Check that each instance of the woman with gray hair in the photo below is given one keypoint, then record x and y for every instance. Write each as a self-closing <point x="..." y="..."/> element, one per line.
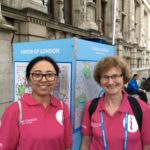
<point x="113" y="124"/>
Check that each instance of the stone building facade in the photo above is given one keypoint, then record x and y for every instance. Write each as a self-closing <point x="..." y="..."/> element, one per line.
<point x="125" y="21"/>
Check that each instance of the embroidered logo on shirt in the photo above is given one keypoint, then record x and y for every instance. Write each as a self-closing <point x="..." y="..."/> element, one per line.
<point x="59" y="116"/>
<point x="1" y="145"/>
<point x="95" y="124"/>
<point x="132" y="123"/>
<point x="28" y="121"/>
<point x="84" y="126"/>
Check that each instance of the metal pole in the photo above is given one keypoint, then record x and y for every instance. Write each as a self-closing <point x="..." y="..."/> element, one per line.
<point x="114" y="23"/>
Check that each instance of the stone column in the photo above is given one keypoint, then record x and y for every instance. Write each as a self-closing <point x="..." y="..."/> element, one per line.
<point x="98" y="15"/>
<point x="134" y="57"/>
<point x="60" y="12"/>
<point x="142" y="33"/>
<point x="148" y="38"/>
<point x="144" y="58"/>
<point x="81" y="13"/>
<point x="132" y="38"/>
<point x="34" y="4"/>
<point x="91" y="23"/>
<point x="6" y="2"/>
<point x="120" y="49"/>
<point x="118" y="32"/>
<point x="76" y="15"/>
<point x="6" y="34"/>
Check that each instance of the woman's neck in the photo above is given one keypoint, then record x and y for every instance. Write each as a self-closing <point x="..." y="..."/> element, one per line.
<point x="112" y="103"/>
<point x="45" y="100"/>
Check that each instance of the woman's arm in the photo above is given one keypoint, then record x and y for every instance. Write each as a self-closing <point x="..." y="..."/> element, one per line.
<point x="9" y="129"/>
<point x="86" y="140"/>
<point x="67" y="128"/>
<point x="145" y="132"/>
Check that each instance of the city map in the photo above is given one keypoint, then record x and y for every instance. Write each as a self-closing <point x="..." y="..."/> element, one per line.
<point x="85" y="88"/>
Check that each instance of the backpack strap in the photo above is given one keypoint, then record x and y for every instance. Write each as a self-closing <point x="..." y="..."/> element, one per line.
<point x="136" y="110"/>
<point x="93" y="106"/>
<point x="133" y="103"/>
<point x="62" y="106"/>
<point x="61" y="102"/>
<point x="20" y="112"/>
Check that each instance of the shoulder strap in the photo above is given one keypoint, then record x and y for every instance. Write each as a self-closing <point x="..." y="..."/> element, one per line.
<point x="136" y="110"/>
<point x="20" y="112"/>
<point x="133" y="103"/>
<point x="61" y="102"/>
<point x="93" y="106"/>
<point x="62" y="106"/>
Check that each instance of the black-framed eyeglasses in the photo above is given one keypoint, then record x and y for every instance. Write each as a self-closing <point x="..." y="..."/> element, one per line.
<point x="38" y="76"/>
<point x="114" y="77"/>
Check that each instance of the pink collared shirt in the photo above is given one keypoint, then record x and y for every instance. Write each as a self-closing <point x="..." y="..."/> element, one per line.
<point x="114" y="127"/>
<point x="40" y="128"/>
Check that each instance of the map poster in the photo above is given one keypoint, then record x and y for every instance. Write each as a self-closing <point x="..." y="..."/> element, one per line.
<point x="20" y="80"/>
<point x="85" y="88"/>
<point x="88" y="54"/>
<point x="63" y="86"/>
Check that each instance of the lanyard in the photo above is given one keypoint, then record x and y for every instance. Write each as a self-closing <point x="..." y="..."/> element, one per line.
<point x="104" y="135"/>
<point x="126" y="131"/>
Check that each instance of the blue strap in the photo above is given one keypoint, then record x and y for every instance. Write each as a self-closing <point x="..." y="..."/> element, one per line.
<point x="104" y="135"/>
<point x="103" y="131"/>
<point x="126" y="131"/>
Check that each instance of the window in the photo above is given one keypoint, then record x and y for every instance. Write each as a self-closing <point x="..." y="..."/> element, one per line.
<point x="103" y="13"/>
<point x="50" y="5"/>
<point x="67" y="11"/>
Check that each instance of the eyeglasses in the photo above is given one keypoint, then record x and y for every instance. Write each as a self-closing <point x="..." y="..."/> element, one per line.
<point x="38" y="76"/>
<point x="113" y="77"/>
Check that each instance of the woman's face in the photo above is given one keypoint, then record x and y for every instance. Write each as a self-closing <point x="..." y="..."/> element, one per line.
<point x="112" y="81"/>
<point x="42" y="78"/>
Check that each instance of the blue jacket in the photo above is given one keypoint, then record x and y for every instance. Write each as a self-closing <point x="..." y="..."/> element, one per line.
<point x="133" y="86"/>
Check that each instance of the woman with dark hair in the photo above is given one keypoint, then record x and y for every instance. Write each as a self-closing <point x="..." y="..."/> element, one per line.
<point x="45" y="121"/>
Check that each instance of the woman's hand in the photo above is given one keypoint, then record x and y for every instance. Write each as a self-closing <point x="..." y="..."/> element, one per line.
<point x="86" y="140"/>
<point x="146" y="147"/>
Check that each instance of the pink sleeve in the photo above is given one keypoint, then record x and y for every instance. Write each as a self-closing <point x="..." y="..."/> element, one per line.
<point x="145" y="133"/>
<point x="67" y="128"/>
<point x="9" y="131"/>
<point x="86" y="123"/>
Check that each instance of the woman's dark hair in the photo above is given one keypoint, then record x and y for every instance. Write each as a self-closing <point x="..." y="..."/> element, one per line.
<point x="38" y="59"/>
<point x="135" y="75"/>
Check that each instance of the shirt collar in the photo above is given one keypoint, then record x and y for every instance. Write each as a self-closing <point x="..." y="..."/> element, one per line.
<point x="124" y="107"/>
<point x="31" y="101"/>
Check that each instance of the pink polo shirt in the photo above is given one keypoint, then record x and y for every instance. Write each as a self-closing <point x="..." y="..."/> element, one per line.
<point x="40" y="128"/>
<point x="114" y="127"/>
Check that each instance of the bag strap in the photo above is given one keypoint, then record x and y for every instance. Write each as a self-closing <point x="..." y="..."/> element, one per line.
<point x="136" y="110"/>
<point x="62" y="106"/>
<point x="61" y="102"/>
<point x="93" y="106"/>
<point x="20" y="111"/>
